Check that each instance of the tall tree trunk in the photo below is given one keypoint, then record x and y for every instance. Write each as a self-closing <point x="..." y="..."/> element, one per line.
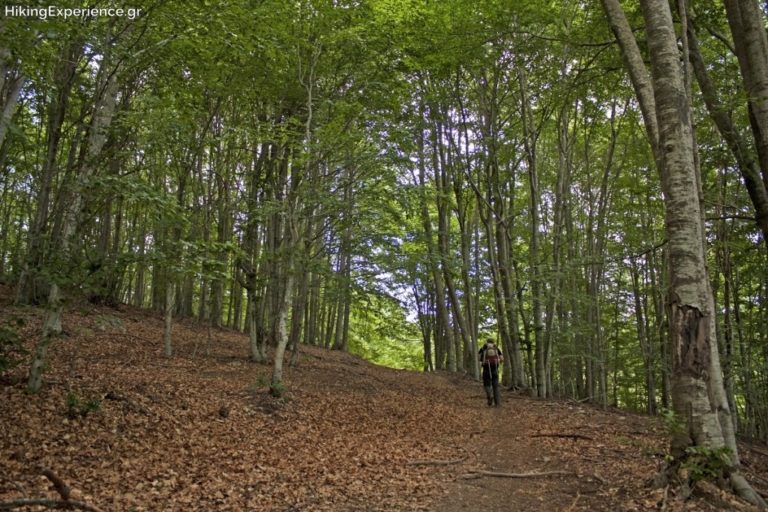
<point x="443" y="332"/>
<point x="698" y="394"/>
<point x="530" y="140"/>
<point x="444" y="252"/>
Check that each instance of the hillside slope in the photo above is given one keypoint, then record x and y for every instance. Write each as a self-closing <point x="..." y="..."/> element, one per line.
<point x="128" y="429"/>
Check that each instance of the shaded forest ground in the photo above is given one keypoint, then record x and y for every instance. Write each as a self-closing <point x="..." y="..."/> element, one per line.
<point x="129" y="430"/>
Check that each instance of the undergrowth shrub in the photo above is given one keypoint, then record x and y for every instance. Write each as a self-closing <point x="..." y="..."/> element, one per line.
<point x="77" y="406"/>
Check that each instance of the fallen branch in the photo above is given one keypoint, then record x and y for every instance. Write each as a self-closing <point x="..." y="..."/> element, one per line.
<point x="566" y="436"/>
<point x="64" y="503"/>
<point x="430" y="462"/>
<point x="60" y="504"/>
<point x="61" y="487"/>
<point x="478" y="473"/>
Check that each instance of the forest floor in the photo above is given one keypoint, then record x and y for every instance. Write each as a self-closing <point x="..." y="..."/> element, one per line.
<point x="127" y="429"/>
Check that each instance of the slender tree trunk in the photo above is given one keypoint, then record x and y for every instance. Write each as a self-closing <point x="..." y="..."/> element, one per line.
<point x="747" y="23"/>
<point x="27" y="289"/>
<point x="102" y="116"/>
<point x="51" y="329"/>
<point x="10" y="103"/>
<point x="646" y="345"/>
<point x="744" y="156"/>
<point x="168" y="318"/>
<point x="661" y="336"/>
<point x="345" y="266"/>
<point x="443" y="237"/>
<point x="282" y="333"/>
<point x="635" y="64"/>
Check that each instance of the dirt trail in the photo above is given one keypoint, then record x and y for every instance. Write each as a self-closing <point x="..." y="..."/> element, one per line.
<point x="569" y="456"/>
<point x="198" y="432"/>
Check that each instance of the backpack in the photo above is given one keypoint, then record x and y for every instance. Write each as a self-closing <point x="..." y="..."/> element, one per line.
<point x="491" y="354"/>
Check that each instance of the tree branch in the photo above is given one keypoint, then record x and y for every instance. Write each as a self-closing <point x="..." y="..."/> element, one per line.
<point x="534" y="474"/>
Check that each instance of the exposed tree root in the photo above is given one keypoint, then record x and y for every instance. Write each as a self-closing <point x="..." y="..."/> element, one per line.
<point x="744" y="490"/>
<point x="669" y="476"/>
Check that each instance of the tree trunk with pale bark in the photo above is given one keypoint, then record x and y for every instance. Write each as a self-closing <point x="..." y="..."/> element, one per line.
<point x="698" y="393"/>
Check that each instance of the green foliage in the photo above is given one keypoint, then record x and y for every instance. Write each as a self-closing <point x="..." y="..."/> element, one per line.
<point x="277" y="389"/>
<point x="699" y="462"/>
<point x="261" y="382"/>
<point x="380" y="333"/>
<point x="705" y="463"/>
<point x="674" y="425"/>
<point x="76" y="406"/>
<point x="11" y="349"/>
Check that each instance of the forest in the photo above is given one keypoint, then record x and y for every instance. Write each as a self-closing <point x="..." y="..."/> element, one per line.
<point x="584" y="182"/>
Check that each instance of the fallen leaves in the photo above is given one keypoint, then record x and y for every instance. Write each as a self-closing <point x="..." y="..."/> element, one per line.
<point x="199" y="432"/>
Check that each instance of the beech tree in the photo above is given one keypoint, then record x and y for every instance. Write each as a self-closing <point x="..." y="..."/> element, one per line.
<point x="401" y="180"/>
<point x="698" y="392"/>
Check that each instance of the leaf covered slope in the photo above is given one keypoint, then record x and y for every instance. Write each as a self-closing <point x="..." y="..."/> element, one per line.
<point x="127" y="429"/>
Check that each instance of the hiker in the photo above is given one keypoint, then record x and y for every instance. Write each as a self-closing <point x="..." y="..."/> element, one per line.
<point x="490" y="358"/>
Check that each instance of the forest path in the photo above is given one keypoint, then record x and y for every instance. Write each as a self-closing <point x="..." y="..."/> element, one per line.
<point x="564" y="457"/>
<point x="130" y="430"/>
